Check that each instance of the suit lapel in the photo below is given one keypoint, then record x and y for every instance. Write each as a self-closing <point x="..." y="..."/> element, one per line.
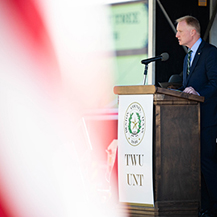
<point x="196" y="58"/>
<point x="185" y="72"/>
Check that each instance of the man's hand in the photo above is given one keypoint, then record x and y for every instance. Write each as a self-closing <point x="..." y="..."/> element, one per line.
<point x="191" y="90"/>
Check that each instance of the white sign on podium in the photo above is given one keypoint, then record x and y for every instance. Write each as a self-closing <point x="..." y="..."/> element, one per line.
<point x="135" y="135"/>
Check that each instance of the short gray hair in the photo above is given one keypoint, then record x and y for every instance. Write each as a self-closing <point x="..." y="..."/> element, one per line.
<point x="191" y="21"/>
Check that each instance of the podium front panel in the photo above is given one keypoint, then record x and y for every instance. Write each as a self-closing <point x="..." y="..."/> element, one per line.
<point x="135" y="139"/>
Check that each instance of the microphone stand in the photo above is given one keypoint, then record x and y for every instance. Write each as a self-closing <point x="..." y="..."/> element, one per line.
<point x="145" y="73"/>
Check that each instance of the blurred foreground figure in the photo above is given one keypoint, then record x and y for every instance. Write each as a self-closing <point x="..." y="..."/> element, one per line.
<point x="53" y="68"/>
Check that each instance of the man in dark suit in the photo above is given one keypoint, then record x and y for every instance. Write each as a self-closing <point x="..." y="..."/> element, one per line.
<point x="200" y="78"/>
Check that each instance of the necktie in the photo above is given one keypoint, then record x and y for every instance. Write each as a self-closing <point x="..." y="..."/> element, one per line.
<point x="189" y="61"/>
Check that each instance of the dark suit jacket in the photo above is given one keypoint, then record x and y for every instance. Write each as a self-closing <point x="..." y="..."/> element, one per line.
<point x="203" y="78"/>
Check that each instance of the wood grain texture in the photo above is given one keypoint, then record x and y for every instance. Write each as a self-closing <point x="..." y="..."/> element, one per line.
<point x="151" y="89"/>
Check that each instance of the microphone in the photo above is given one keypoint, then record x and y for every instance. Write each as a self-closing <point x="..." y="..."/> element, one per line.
<point x="162" y="57"/>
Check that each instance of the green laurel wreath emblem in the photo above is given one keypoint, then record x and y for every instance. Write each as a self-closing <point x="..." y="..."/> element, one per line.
<point x="139" y="123"/>
<point x="139" y="127"/>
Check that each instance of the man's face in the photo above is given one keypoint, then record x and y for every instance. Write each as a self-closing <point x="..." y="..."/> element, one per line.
<point x="184" y="34"/>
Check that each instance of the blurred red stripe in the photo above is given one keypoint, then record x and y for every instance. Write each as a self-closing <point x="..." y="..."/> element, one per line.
<point x="28" y="15"/>
<point x="4" y="211"/>
<point x="28" y="28"/>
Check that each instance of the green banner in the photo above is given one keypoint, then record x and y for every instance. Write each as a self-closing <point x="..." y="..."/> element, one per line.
<point x="130" y="25"/>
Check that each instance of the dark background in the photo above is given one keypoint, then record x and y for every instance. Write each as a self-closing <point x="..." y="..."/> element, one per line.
<point x="165" y="36"/>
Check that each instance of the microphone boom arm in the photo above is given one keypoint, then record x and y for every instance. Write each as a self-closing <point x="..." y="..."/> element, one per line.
<point x="147" y="61"/>
<point x="145" y="73"/>
<point x="162" y="57"/>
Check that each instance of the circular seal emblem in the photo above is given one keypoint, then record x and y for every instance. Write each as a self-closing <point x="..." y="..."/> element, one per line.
<point x="134" y="124"/>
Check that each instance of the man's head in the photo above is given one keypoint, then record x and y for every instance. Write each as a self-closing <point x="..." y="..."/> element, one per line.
<point x="188" y="30"/>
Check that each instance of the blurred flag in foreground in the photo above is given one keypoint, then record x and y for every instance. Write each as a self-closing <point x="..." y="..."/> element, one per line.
<point x="54" y="65"/>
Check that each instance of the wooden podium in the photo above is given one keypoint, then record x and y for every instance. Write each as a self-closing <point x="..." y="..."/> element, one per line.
<point x="176" y="152"/>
